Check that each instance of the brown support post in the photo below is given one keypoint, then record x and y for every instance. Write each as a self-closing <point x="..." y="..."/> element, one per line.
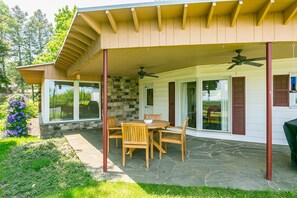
<point x="104" y="138"/>
<point x="268" y="111"/>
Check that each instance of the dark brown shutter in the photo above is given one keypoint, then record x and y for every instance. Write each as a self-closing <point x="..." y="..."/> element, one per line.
<point x="238" y="105"/>
<point x="281" y="90"/>
<point x="171" y="93"/>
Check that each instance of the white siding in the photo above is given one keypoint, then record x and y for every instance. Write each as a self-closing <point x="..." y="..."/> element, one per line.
<point x="255" y="97"/>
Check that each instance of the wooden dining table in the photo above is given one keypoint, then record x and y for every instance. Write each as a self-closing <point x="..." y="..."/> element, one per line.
<point x="154" y="126"/>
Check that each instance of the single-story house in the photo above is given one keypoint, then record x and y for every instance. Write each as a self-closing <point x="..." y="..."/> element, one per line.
<point x="228" y="65"/>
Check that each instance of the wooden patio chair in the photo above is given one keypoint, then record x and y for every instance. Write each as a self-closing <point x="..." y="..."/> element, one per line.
<point x="153" y="116"/>
<point x="136" y="136"/>
<point x="114" y="131"/>
<point x="175" y="136"/>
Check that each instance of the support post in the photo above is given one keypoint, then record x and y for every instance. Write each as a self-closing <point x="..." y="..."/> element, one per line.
<point x="268" y="111"/>
<point x="104" y="138"/>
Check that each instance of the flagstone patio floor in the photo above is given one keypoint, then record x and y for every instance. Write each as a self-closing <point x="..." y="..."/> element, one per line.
<point x="208" y="162"/>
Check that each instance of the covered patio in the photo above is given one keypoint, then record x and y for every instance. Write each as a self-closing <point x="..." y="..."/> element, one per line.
<point x="208" y="162"/>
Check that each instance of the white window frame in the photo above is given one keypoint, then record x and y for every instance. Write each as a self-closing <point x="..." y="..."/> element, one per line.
<point x="46" y="103"/>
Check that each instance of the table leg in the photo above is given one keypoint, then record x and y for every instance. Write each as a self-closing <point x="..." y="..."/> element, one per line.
<point x="158" y="146"/>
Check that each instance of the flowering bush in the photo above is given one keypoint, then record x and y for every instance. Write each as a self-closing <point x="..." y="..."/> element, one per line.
<point x="17" y="120"/>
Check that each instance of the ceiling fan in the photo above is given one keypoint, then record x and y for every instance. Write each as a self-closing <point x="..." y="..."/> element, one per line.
<point x="142" y="74"/>
<point x="240" y="60"/>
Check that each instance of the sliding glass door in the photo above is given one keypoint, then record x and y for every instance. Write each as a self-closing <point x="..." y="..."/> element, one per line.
<point x="188" y="102"/>
<point x="215" y="105"/>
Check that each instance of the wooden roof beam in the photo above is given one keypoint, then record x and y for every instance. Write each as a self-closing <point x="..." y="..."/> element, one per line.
<point x="71" y="51"/>
<point x="210" y="14"/>
<point x="65" y="64"/>
<point x="77" y="43"/>
<point x="70" y="57"/>
<point x="91" y="22"/>
<point x="111" y="21"/>
<point x="86" y="31"/>
<point x="185" y="16"/>
<point x="82" y="38"/>
<point x="235" y="13"/>
<point x="66" y="59"/>
<point x="263" y="12"/>
<point x="74" y="48"/>
<point x="159" y="13"/>
<point x="135" y="19"/>
<point x="290" y="12"/>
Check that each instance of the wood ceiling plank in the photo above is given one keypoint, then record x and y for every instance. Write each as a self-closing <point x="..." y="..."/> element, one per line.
<point x="74" y="48"/>
<point x="70" y="57"/>
<point x="67" y="60"/>
<point x="70" y="51"/>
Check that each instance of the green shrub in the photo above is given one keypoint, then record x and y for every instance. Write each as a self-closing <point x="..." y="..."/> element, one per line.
<point x="3" y="109"/>
<point x="32" y="108"/>
<point x="2" y="126"/>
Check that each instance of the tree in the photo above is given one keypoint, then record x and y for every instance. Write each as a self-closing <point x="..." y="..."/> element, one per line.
<point x="17" y="26"/>
<point x="4" y="31"/>
<point x="63" y="20"/>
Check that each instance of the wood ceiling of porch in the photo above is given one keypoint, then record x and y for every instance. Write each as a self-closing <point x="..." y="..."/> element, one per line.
<point x="83" y="40"/>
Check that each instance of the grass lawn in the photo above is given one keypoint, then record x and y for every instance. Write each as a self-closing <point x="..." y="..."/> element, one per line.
<point x="49" y="168"/>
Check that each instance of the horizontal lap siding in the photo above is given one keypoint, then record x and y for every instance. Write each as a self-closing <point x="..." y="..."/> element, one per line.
<point x="255" y="95"/>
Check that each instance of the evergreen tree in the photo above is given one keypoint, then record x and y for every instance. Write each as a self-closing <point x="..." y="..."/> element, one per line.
<point x="63" y="20"/>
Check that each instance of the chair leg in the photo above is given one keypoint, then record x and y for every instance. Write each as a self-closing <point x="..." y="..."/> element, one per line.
<point x="160" y="143"/>
<point x="147" y="159"/>
<point x="183" y="152"/>
<point x="152" y="147"/>
<point x="130" y="152"/>
<point x="124" y="156"/>
<point x="108" y="148"/>
<point x="185" y="146"/>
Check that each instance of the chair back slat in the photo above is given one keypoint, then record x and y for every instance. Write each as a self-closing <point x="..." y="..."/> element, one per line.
<point x="153" y="116"/>
<point x="111" y="122"/>
<point x="135" y="133"/>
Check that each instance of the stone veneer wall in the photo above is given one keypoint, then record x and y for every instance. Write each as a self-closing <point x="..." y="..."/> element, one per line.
<point x="123" y="98"/>
<point x="123" y="102"/>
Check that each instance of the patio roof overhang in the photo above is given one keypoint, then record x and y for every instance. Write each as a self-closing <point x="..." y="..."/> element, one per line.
<point x="33" y="74"/>
<point x="122" y="29"/>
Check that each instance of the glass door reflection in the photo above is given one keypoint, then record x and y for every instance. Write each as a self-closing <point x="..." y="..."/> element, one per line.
<point x="215" y="105"/>
<point x="188" y="103"/>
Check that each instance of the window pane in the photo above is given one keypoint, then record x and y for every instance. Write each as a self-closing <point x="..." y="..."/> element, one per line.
<point x="61" y="101"/>
<point x="215" y="104"/>
<point x="88" y="100"/>
<point x="150" y="97"/>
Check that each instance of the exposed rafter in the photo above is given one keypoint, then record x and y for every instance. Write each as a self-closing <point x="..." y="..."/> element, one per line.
<point x="235" y="13"/>
<point x="69" y="55"/>
<point x="290" y="12"/>
<point x="77" y="43"/>
<point x="185" y="16"/>
<point x="159" y="13"/>
<point x="82" y="38"/>
<point x="111" y="21"/>
<point x="210" y="14"/>
<point x="86" y="31"/>
<point x="91" y="22"/>
<point x="66" y="59"/>
<point x="71" y="51"/>
<point x="135" y="19"/>
<point x="74" y="48"/>
<point x="65" y="64"/>
<point x="263" y="12"/>
<point x="61" y="65"/>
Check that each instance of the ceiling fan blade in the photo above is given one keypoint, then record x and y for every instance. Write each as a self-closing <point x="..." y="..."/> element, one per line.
<point x="256" y="59"/>
<point x="231" y="66"/>
<point x="253" y="64"/>
<point x="151" y="75"/>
